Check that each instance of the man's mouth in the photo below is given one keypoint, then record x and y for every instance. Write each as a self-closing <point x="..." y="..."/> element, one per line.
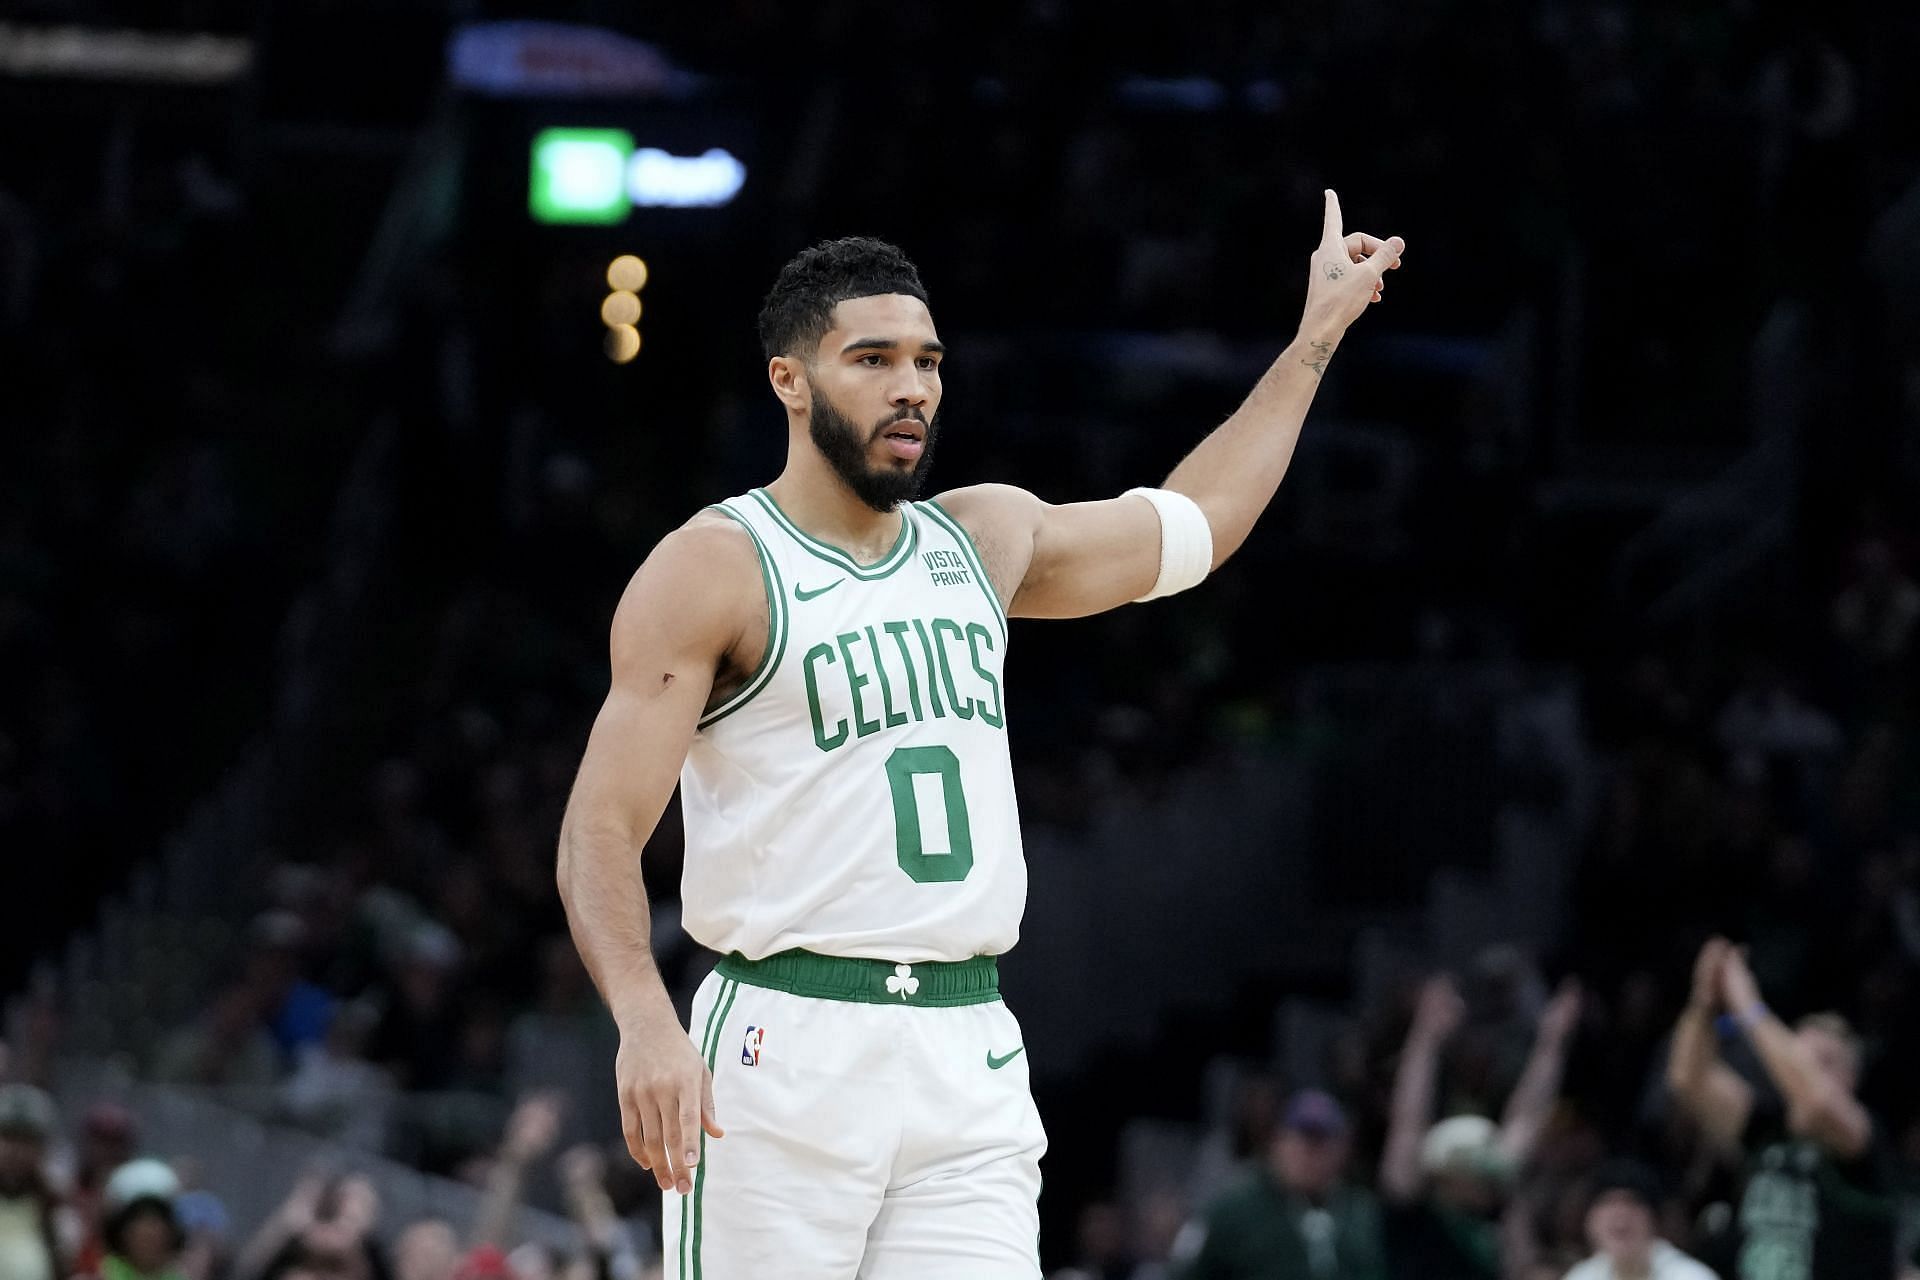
<point x="906" y="437"/>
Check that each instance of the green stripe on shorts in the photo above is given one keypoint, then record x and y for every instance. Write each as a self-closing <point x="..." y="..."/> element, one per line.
<point x="707" y="1044"/>
<point x="700" y="1174"/>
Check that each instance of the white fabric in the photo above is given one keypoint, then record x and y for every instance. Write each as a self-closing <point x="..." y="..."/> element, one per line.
<point x="1186" y="542"/>
<point x="23" y="1246"/>
<point x="896" y="668"/>
<point x="863" y="1140"/>
<point x="1666" y="1263"/>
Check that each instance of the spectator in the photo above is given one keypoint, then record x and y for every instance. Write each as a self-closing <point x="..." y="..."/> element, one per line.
<point x="1101" y="1252"/>
<point x="1297" y="1218"/>
<point x="226" y="1044"/>
<point x="531" y="1132"/>
<point x="297" y="1012"/>
<point x="1819" y="1199"/>
<point x="609" y="1252"/>
<point x="1874" y="615"/>
<point x="428" y="1249"/>
<point x="28" y="1248"/>
<point x="1445" y="1184"/>
<point x="144" y="1238"/>
<point x="1622" y="1228"/>
<point x="107" y="1141"/>
<point x="324" y="1230"/>
<point x="1233" y="1150"/>
<point x="418" y="1035"/>
<point x="334" y="1090"/>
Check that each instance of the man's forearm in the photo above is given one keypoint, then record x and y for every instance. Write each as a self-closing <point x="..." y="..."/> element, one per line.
<point x="607" y="913"/>
<point x="1233" y="473"/>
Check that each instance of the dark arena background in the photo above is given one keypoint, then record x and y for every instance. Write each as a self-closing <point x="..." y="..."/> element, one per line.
<point x="1582" y="630"/>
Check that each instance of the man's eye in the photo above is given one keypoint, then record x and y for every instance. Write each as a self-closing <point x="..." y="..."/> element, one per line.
<point x="872" y="361"/>
<point x="929" y="364"/>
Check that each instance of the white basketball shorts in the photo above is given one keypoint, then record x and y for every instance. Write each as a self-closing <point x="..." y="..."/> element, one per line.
<point x="879" y="1125"/>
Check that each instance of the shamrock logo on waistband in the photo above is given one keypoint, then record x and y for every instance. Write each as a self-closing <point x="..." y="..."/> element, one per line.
<point x="902" y="983"/>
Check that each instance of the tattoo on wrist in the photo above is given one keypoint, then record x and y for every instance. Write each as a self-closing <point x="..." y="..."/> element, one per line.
<point x="1335" y="271"/>
<point x="1322" y="352"/>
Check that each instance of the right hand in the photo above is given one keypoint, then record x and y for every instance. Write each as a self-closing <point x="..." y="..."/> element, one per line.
<point x="1706" y="974"/>
<point x="1440" y="1010"/>
<point x="666" y="1099"/>
<point x="1345" y="274"/>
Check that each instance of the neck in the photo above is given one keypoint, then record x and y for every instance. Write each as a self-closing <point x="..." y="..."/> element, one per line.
<point x="819" y="501"/>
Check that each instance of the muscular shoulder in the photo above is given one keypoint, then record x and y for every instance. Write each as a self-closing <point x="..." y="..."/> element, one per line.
<point x="1002" y="520"/>
<point x="993" y="508"/>
<point x="697" y="591"/>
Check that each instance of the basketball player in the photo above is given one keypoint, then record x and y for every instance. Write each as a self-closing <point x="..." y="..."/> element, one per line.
<point x="818" y="663"/>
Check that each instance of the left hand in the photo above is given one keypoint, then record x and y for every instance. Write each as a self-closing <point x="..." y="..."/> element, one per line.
<point x="1345" y="274"/>
<point x="1738" y="990"/>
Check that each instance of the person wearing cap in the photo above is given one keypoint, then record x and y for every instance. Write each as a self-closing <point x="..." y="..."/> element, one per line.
<point x="143" y="1234"/>
<point x="1296" y="1218"/>
<point x="108" y="1137"/>
<point x="29" y="1248"/>
<point x="1446" y="1184"/>
<point x="1821" y="1197"/>
<point x="1622" y="1228"/>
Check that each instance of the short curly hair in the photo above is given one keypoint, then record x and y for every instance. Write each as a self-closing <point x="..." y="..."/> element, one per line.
<point x="798" y="310"/>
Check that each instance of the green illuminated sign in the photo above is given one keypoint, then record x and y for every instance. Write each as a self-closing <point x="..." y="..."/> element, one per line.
<point x="580" y="175"/>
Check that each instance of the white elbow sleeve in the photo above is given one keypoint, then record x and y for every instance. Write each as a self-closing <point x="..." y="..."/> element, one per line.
<point x="1186" y="542"/>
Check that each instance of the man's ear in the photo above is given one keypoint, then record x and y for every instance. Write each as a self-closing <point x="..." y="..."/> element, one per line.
<point x="788" y="374"/>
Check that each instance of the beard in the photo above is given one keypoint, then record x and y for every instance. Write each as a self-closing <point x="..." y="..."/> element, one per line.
<point x="846" y="447"/>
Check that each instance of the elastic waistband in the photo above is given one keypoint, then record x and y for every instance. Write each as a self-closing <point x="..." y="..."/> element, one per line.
<point x="933" y="983"/>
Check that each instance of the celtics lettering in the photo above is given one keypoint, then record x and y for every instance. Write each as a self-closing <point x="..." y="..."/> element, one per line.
<point x="900" y="673"/>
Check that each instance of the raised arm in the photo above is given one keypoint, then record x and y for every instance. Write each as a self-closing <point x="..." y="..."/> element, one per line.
<point x="1539" y="1085"/>
<point x="1705" y="1087"/>
<point x="1819" y="1105"/>
<point x="686" y="618"/>
<point x="1086" y="557"/>
<point x="531" y="1131"/>
<point x="1435" y="1018"/>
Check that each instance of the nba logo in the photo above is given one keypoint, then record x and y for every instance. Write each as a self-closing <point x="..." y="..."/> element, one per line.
<point x="750" y="1047"/>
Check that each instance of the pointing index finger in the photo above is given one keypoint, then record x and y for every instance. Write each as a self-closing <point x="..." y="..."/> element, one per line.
<point x="1330" y="229"/>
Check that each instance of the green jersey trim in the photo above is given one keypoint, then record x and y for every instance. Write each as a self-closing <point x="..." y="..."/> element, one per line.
<point x="901" y="553"/>
<point x="945" y="519"/>
<point x="776" y="626"/>
<point x="700" y="1172"/>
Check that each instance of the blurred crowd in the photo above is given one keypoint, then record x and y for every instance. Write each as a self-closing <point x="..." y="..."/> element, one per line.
<point x="88" y="1199"/>
<point x="403" y="983"/>
<point x="1721" y="1083"/>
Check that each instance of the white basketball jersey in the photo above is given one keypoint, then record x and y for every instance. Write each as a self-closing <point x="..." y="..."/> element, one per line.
<point x="855" y="796"/>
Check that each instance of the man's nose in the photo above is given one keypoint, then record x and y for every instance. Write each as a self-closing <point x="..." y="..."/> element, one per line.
<point x="910" y="392"/>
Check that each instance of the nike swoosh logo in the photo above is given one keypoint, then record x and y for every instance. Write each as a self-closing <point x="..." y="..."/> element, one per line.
<point x="994" y="1064"/>
<point x="801" y="593"/>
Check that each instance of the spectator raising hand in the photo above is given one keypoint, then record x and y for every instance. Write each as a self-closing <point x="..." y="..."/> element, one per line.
<point x="531" y="1132"/>
<point x="609" y="1253"/>
<point x="1820" y="1187"/>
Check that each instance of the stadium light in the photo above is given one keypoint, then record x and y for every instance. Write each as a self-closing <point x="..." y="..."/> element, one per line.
<point x="580" y="176"/>
<point x="596" y="176"/>
<point x="620" y="309"/>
